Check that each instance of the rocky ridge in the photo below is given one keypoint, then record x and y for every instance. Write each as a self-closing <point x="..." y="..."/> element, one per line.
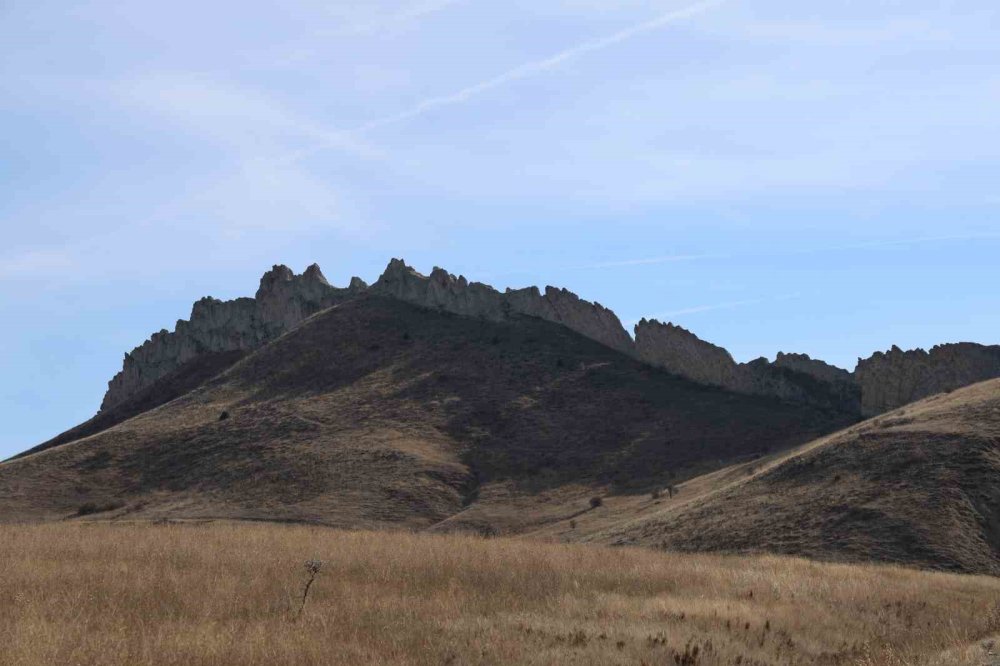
<point x="894" y="378"/>
<point x="282" y="301"/>
<point x="880" y="383"/>
<point x="794" y="377"/>
<point x="442" y="290"/>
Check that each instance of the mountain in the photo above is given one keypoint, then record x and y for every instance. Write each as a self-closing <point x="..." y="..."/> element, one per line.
<point x="375" y="412"/>
<point x="880" y="383"/>
<point x="437" y="403"/>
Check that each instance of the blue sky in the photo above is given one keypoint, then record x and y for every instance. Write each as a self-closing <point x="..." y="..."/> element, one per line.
<point x="774" y="175"/>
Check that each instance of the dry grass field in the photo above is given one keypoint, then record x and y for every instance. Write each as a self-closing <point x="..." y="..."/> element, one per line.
<point x="191" y="594"/>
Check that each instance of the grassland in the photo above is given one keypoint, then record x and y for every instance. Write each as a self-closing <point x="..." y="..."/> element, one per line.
<point x="220" y="594"/>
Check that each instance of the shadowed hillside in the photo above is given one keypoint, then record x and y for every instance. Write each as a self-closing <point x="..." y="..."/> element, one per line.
<point x="376" y="412"/>
<point x="920" y="485"/>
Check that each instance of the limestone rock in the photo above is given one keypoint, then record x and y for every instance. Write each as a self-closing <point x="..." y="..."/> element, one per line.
<point x="444" y="291"/>
<point x="819" y="369"/>
<point x="891" y="379"/>
<point x="793" y="377"/>
<point x="880" y="383"/>
<point x="282" y="301"/>
<point x="683" y="353"/>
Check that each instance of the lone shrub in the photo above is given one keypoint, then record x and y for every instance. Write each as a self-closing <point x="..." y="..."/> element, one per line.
<point x="313" y="567"/>
<point x="223" y="416"/>
<point x="596" y="502"/>
<point x="89" y="508"/>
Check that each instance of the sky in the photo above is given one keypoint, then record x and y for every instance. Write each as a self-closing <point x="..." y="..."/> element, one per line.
<point x="771" y="174"/>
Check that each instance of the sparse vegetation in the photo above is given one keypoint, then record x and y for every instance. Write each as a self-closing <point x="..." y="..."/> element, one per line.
<point x="596" y="502"/>
<point x="139" y="595"/>
<point x="223" y="416"/>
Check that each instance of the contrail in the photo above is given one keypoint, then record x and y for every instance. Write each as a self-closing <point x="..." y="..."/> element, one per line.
<point x="532" y="68"/>
<point x="518" y="73"/>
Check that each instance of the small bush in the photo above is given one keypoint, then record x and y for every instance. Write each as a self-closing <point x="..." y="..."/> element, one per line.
<point x="572" y="524"/>
<point x="223" y="416"/>
<point x="89" y="508"/>
<point x="596" y="502"/>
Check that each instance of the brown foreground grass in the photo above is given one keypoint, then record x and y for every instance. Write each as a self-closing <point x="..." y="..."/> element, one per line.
<point x="229" y="594"/>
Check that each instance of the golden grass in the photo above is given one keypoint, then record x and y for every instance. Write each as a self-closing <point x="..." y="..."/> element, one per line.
<point x="228" y="594"/>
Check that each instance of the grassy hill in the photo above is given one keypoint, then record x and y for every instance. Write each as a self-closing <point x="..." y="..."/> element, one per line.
<point x="920" y="486"/>
<point x="376" y="413"/>
<point x="379" y="414"/>
<point x="139" y="594"/>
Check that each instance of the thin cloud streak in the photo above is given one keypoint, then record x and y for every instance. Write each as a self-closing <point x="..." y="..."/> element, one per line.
<point x="836" y="248"/>
<point x="727" y="305"/>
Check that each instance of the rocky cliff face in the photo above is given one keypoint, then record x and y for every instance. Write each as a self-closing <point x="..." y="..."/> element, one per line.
<point x="683" y="353"/>
<point x="285" y="299"/>
<point x="880" y="383"/>
<point x="793" y="377"/>
<point x="282" y="301"/>
<point x="891" y="379"/>
<point x="444" y="291"/>
<point x="819" y="369"/>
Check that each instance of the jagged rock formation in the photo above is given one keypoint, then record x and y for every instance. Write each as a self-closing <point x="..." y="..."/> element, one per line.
<point x="879" y="384"/>
<point x="895" y="378"/>
<point x="819" y="369"/>
<point x="683" y="353"/>
<point x="282" y="301"/>
<point x="444" y="291"/>
<point x="793" y="377"/>
<point x="883" y="382"/>
<point x="285" y="299"/>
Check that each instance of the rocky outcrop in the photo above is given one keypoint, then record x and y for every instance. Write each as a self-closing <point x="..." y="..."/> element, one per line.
<point x="443" y="291"/>
<point x="282" y="301"/>
<point x="285" y="299"/>
<point x="880" y="383"/>
<point x="821" y="370"/>
<point x="891" y="379"/>
<point x="793" y="377"/>
<point x="683" y="353"/>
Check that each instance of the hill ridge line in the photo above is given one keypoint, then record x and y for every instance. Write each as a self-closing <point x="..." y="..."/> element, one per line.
<point x="883" y="381"/>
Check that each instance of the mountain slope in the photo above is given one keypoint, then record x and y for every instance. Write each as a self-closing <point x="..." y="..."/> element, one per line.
<point x="376" y="413"/>
<point x="920" y="486"/>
